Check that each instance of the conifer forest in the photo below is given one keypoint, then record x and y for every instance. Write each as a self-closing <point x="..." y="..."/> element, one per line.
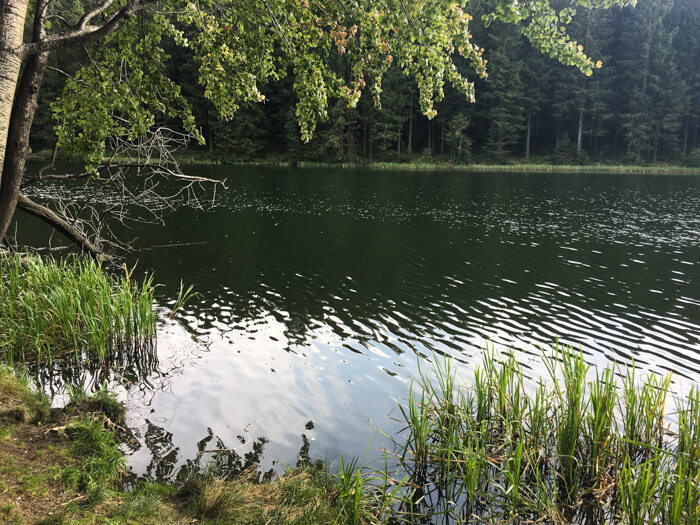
<point x="641" y="106"/>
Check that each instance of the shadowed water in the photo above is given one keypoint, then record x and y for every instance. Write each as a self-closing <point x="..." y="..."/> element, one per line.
<point x="320" y="287"/>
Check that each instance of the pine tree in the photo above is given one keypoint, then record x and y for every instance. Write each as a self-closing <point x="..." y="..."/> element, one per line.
<point x="536" y="75"/>
<point x="504" y="89"/>
<point x="686" y="17"/>
<point x="649" y="81"/>
<point x="389" y="129"/>
<point x="582" y="104"/>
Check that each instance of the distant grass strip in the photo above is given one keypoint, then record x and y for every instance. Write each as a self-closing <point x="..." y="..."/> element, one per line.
<point x="590" y="168"/>
<point x="54" y="308"/>
<point x="565" y="450"/>
<point x="441" y="164"/>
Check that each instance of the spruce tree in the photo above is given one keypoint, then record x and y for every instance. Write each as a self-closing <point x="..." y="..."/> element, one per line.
<point x="686" y="17"/>
<point x="647" y="64"/>
<point x="504" y="89"/>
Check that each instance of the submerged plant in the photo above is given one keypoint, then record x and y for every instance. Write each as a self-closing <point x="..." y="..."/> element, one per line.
<point x="183" y="296"/>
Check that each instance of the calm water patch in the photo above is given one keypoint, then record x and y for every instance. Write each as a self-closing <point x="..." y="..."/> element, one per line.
<point x="320" y="287"/>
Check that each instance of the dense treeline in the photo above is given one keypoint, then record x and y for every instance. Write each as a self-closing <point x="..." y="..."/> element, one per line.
<point x="642" y="106"/>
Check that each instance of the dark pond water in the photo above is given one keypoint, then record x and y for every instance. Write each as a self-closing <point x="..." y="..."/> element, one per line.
<point x="321" y="288"/>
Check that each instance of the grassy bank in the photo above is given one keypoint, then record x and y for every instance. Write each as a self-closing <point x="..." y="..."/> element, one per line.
<point x="54" y="462"/>
<point x="64" y="467"/>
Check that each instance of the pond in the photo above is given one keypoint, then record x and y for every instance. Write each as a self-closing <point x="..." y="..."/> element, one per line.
<point x="321" y="290"/>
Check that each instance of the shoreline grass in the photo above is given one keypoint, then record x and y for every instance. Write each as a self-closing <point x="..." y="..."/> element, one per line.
<point x="53" y="308"/>
<point x="196" y="158"/>
<point x="63" y="466"/>
<point x="448" y="166"/>
<point x="572" y="450"/>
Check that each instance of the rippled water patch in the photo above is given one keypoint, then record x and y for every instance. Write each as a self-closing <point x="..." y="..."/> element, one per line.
<point x="320" y="289"/>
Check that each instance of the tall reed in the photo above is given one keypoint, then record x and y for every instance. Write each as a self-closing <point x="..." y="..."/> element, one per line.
<point x="567" y="449"/>
<point x="70" y="307"/>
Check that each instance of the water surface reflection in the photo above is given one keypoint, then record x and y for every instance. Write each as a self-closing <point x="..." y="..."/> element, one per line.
<point x="319" y="289"/>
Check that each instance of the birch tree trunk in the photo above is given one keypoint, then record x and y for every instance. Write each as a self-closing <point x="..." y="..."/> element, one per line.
<point x="17" y="149"/>
<point x="19" y="97"/>
<point x="579" y="139"/>
<point x="12" y="15"/>
<point x="527" y="136"/>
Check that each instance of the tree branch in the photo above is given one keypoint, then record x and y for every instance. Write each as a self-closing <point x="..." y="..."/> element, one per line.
<point x="45" y="214"/>
<point x="97" y="10"/>
<point x="84" y="33"/>
<point x="42" y="170"/>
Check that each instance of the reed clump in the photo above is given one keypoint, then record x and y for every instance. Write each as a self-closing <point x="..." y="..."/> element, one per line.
<point x="52" y="309"/>
<point x="579" y="446"/>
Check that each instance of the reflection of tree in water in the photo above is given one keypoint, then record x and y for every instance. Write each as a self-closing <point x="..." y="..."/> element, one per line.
<point x="213" y="457"/>
<point x="129" y="366"/>
<point x="226" y="463"/>
<point x="139" y="369"/>
<point x="164" y="454"/>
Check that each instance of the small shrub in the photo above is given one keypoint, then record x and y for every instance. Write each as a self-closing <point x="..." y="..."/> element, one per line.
<point x="693" y="159"/>
<point x="565" y="151"/>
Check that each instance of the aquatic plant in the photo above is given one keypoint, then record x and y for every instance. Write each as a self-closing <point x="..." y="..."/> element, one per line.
<point x="183" y="296"/>
<point x="53" y="308"/>
<point x="569" y="450"/>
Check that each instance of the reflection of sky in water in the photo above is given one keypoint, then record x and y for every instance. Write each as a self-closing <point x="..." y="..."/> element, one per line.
<point x="253" y="379"/>
<point x="320" y="287"/>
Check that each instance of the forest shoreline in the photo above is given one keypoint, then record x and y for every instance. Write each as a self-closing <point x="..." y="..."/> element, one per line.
<point x="437" y="165"/>
<point x="653" y="170"/>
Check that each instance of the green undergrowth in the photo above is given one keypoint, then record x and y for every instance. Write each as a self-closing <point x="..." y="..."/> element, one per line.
<point x="579" y="446"/>
<point x="53" y="308"/>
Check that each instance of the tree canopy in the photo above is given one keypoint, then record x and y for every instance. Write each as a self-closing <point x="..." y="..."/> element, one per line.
<point x="118" y="88"/>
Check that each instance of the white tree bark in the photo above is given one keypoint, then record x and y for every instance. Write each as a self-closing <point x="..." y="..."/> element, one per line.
<point x="12" y="15"/>
<point x="19" y="96"/>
